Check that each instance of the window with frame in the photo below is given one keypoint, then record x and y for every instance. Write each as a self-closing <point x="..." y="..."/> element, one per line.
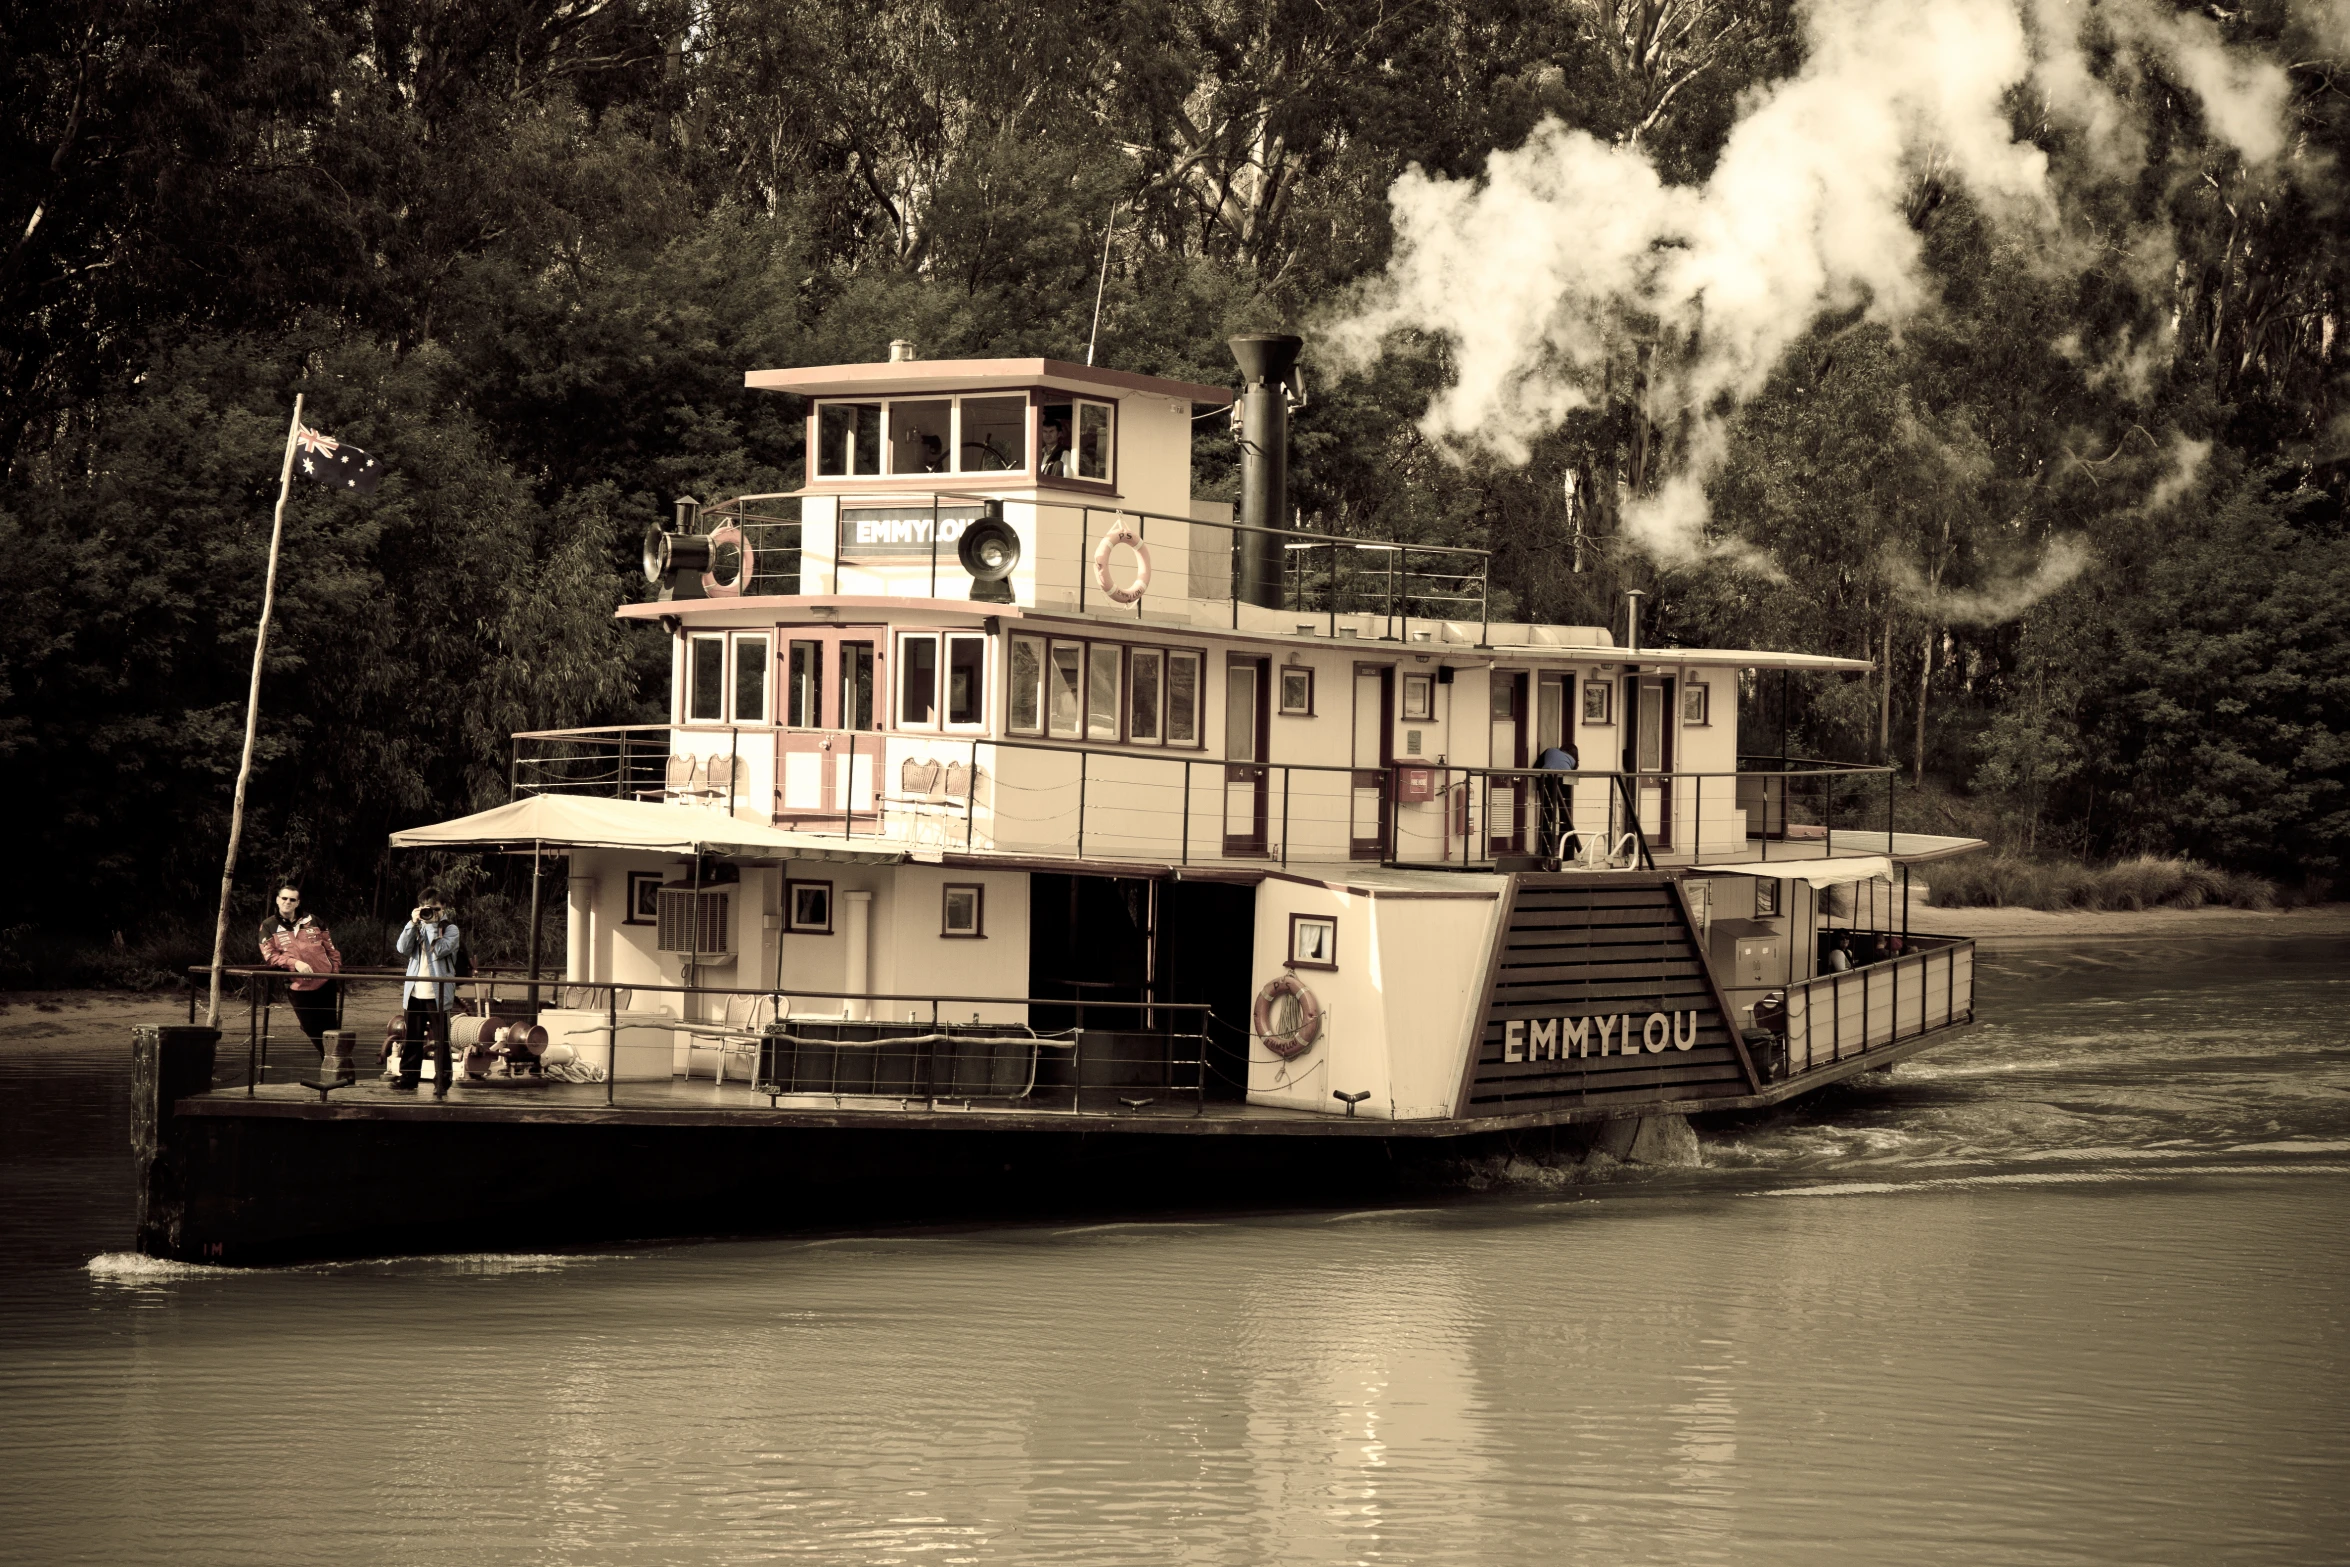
<point x="1598" y="702"/>
<point x="750" y="678"/>
<point x="1073" y="440"/>
<point x="705" y="679"/>
<point x="808" y="907"/>
<point x="1696" y="704"/>
<point x="1419" y="698"/>
<point x="1024" y="706"/>
<point x="1766" y="898"/>
<point x="1183" y="697"/>
<point x="966" y="695"/>
<point x="803" y="681"/>
<point x="848" y="440"/>
<point x="963" y="910"/>
<point x="1103" y="664"/>
<point x="1072" y="689"/>
<point x="1064" y="691"/>
<point x="1146" y="690"/>
<point x="918" y="681"/>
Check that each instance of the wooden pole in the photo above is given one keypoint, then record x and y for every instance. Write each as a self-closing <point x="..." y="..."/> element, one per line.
<point x="236" y="815"/>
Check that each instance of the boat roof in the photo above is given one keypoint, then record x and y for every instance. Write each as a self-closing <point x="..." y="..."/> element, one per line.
<point x="904" y="376"/>
<point x="1505" y="641"/>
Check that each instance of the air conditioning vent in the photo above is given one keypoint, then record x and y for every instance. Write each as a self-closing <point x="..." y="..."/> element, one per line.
<point x="696" y="922"/>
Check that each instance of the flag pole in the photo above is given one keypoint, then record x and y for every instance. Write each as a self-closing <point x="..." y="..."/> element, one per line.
<point x="236" y="816"/>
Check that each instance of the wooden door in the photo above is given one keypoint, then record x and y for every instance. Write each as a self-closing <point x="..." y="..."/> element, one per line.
<point x="1649" y="720"/>
<point x="1372" y="791"/>
<point x="828" y="753"/>
<point x="1505" y="798"/>
<point x="1247" y="781"/>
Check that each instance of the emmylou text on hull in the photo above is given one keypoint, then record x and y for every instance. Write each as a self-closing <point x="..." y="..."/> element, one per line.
<point x="1027" y="831"/>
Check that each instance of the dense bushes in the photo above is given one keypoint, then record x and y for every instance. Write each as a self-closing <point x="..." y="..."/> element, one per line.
<point x="2145" y="882"/>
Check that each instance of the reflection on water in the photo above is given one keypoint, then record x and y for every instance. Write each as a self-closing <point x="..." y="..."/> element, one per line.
<point x="2071" y="1290"/>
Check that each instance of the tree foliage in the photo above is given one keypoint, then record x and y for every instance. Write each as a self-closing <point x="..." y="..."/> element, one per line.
<point x="524" y="250"/>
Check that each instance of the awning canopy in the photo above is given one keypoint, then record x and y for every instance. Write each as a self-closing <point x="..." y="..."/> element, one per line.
<point x="1820" y="873"/>
<point x="578" y="821"/>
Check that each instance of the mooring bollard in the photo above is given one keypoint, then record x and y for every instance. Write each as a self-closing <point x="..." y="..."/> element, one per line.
<point x="167" y="1065"/>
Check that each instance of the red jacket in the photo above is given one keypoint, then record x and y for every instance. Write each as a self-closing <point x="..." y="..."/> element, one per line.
<point x="309" y="942"/>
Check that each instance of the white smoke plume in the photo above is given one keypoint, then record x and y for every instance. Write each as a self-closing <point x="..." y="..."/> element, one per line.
<point x="2002" y="598"/>
<point x="2184" y="466"/>
<point x="1537" y="274"/>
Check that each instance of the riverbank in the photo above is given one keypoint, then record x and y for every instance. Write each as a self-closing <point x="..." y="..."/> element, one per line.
<point x="1994" y="928"/>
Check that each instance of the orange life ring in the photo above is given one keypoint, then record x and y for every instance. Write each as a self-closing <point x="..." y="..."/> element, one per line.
<point x="1119" y="534"/>
<point x="1295" y="1041"/>
<point x="720" y="537"/>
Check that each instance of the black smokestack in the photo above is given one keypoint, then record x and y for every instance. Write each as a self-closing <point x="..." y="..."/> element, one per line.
<point x="1266" y="361"/>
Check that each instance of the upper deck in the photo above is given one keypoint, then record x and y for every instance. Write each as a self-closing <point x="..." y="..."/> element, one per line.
<point x="994" y="620"/>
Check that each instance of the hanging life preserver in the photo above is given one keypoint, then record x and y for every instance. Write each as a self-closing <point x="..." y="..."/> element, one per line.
<point x="1300" y="1032"/>
<point x="1121" y="534"/>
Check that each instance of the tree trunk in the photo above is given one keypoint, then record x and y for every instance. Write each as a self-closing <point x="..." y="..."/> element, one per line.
<point x="1917" y="776"/>
<point x="1885" y="698"/>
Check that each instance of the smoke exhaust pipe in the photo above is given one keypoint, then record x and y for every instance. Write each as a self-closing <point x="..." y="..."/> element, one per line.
<point x="1268" y="362"/>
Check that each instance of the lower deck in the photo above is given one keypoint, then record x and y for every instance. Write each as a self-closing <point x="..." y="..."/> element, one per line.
<point x="699" y="1102"/>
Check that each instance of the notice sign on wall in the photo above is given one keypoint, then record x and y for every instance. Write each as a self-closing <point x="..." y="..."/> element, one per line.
<point x="867" y="531"/>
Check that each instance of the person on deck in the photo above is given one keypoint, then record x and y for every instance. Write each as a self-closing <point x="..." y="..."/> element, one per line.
<point x="1052" y="450"/>
<point x="1556" y="841"/>
<point x="1839" y="959"/>
<point x="295" y="941"/>
<point x="429" y="942"/>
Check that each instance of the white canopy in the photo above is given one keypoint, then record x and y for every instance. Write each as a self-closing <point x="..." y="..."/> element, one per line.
<point x="1820" y="873"/>
<point x="578" y="821"/>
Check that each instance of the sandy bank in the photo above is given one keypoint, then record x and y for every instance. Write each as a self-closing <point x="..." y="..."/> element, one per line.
<point x="2032" y="927"/>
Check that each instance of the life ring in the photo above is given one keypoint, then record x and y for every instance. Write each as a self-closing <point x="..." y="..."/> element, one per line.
<point x="1300" y="1036"/>
<point x="1121" y="534"/>
<point x="720" y="538"/>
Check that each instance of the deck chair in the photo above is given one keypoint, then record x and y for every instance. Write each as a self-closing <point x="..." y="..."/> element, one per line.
<point x="678" y="781"/>
<point x="718" y="780"/>
<point x="918" y="776"/>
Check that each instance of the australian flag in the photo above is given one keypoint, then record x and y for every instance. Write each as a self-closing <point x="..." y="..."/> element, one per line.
<point x="337" y="463"/>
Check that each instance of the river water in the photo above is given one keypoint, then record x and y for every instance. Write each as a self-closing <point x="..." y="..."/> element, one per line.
<point x="2073" y="1289"/>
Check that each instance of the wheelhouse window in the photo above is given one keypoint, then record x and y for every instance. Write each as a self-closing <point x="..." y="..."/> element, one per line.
<point x="1025" y="711"/>
<point x="922" y="436"/>
<point x="750" y="679"/>
<point x="1073" y="440"/>
<point x="705" y="692"/>
<point x="918" y="681"/>
<point x="848" y="440"/>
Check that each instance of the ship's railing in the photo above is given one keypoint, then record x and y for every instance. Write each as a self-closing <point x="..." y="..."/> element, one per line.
<point x="1057" y="800"/>
<point x="1390" y="581"/>
<point x="1834" y="1017"/>
<point x="792" y="1044"/>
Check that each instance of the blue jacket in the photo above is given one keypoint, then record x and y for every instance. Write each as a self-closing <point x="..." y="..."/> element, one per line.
<point x="429" y="959"/>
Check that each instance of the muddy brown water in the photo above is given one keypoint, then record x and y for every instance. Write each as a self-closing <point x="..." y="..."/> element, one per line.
<point x="2073" y="1289"/>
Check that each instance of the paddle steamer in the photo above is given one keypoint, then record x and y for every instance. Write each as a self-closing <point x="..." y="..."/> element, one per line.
<point x="1027" y="830"/>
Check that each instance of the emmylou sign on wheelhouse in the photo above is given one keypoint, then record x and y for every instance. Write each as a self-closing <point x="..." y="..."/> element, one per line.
<point x="1550" y="1038"/>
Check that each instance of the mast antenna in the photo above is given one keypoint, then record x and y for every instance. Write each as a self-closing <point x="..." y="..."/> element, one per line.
<point x="1101" y="283"/>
